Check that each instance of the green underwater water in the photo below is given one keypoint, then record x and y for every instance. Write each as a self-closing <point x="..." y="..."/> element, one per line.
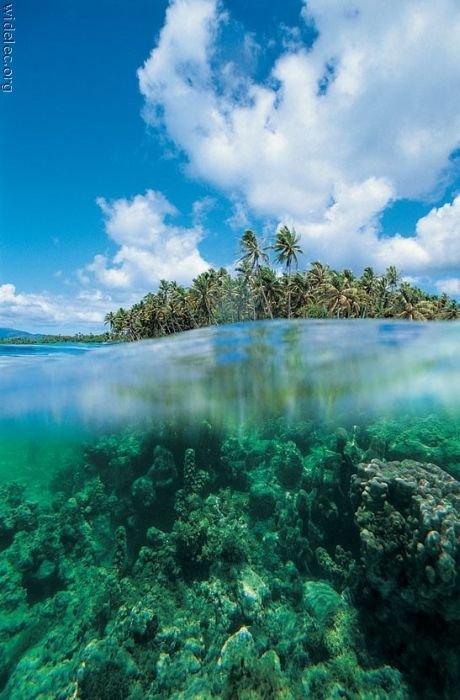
<point x="261" y="511"/>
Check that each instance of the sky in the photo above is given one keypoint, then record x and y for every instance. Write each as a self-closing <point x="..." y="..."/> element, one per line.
<point x="138" y="141"/>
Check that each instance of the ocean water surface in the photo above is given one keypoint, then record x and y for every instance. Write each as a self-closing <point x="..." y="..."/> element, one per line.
<point x="264" y="510"/>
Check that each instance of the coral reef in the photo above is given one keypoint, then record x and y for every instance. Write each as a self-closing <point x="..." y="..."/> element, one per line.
<point x="427" y="439"/>
<point x="283" y="562"/>
<point x="408" y="514"/>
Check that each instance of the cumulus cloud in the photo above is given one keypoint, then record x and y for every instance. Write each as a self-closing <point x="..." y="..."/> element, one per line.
<point x="450" y="286"/>
<point x="350" y="230"/>
<point x="46" y="311"/>
<point x="435" y="247"/>
<point x="367" y="115"/>
<point x="150" y="248"/>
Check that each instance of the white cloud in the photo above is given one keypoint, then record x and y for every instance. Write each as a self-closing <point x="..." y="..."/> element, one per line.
<point x="450" y="286"/>
<point x="239" y="219"/>
<point x="201" y="208"/>
<point x="349" y="230"/>
<point x="54" y="313"/>
<point x="150" y="247"/>
<point x="435" y="247"/>
<point x="368" y="115"/>
<point x="336" y="132"/>
<point x="349" y="227"/>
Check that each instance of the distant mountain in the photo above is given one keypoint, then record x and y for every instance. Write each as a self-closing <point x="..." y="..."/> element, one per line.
<point x="13" y="333"/>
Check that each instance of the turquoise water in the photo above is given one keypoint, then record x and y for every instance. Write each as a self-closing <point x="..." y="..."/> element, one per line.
<point x="36" y="438"/>
<point x="239" y="374"/>
<point x="261" y="510"/>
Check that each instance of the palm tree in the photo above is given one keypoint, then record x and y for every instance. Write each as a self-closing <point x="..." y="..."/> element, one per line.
<point x="450" y="312"/>
<point x="109" y="319"/>
<point x="179" y="309"/>
<point x="392" y="277"/>
<point x="252" y="254"/>
<point x="368" y="282"/>
<point x="246" y="301"/>
<point x="341" y="298"/>
<point x="302" y="295"/>
<point x="251" y="250"/>
<point x="318" y="275"/>
<point x="227" y="310"/>
<point x="287" y="248"/>
<point x="133" y="324"/>
<point x="203" y="295"/>
<point x="348" y="276"/>
<point x="153" y="316"/>
<point x="411" y="305"/>
<point x="120" y="320"/>
<point x="216" y="297"/>
<point x="267" y="290"/>
<point x="447" y="309"/>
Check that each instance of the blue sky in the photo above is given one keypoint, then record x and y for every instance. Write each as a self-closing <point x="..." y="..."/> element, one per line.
<point x="139" y="141"/>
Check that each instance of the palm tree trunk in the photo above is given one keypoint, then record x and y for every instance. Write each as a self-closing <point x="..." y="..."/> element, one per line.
<point x="266" y="302"/>
<point x="289" y="291"/>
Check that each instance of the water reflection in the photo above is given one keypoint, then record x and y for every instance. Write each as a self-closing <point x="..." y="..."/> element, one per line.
<point x="245" y="373"/>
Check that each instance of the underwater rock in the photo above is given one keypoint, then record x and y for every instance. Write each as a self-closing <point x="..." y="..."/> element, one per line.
<point x="321" y="600"/>
<point x="194" y="479"/>
<point x="252" y="593"/>
<point x="253" y="678"/>
<point x="342" y="677"/>
<point x="46" y="655"/>
<point x="143" y="492"/>
<point x="93" y="500"/>
<point x="216" y="595"/>
<point x="238" y="650"/>
<point x="45" y="572"/>
<point x="15" y="513"/>
<point x="143" y="622"/>
<point x="106" y="672"/>
<point x="262" y="501"/>
<point x="163" y="471"/>
<point x="294" y="534"/>
<point x="120" y="557"/>
<point x="233" y="463"/>
<point x="340" y="570"/>
<point x="209" y="531"/>
<point x="287" y="464"/>
<point x="341" y="439"/>
<point x="115" y="458"/>
<point x="408" y="514"/>
<point x="428" y="439"/>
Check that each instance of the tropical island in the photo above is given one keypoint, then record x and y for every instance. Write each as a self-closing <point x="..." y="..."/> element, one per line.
<point x="261" y="500"/>
<point x="261" y="291"/>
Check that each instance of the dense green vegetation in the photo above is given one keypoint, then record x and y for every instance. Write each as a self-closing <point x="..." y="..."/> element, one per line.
<point x="258" y="291"/>
<point x="51" y="339"/>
